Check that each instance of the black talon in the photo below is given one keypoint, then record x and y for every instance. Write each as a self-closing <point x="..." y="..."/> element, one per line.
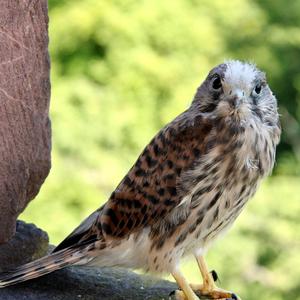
<point x="214" y="275"/>
<point x="173" y="292"/>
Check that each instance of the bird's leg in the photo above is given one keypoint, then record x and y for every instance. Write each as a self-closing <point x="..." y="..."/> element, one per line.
<point x="208" y="287"/>
<point x="208" y="281"/>
<point x="186" y="292"/>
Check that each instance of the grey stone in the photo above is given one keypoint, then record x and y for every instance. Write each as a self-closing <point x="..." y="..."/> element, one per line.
<point x="84" y="283"/>
<point x="75" y="282"/>
<point x="29" y="243"/>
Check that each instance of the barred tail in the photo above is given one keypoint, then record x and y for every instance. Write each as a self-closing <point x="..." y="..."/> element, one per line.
<point x="43" y="266"/>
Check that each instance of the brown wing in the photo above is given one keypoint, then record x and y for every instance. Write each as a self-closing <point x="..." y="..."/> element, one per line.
<point x="150" y="190"/>
<point x="85" y="232"/>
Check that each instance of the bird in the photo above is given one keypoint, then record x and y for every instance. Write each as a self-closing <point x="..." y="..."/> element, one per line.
<point x="186" y="188"/>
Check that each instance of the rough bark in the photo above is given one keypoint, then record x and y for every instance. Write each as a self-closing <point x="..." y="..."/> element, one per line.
<point x="24" y="104"/>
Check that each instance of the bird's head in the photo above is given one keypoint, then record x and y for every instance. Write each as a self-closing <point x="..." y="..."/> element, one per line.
<point x="237" y="91"/>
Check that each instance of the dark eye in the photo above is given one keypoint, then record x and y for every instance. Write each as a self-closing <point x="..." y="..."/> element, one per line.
<point x="216" y="84"/>
<point x="257" y="89"/>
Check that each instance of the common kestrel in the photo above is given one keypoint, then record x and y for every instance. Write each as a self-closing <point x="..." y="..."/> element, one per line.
<point x="187" y="187"/>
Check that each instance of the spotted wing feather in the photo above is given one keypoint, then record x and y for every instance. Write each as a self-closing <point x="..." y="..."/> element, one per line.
<point x="85" y="232"/>
<point x="153" y="186"/>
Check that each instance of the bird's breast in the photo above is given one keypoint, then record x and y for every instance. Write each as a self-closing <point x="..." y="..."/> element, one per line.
<point x="222" y="181"/>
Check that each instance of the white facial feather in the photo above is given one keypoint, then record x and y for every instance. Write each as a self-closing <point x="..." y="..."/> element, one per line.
<point x="239" y="76"/>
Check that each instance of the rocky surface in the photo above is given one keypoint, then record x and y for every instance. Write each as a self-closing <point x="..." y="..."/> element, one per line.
<point x="25" y="133"/>
<point x="29" y="243"/>
<point x="90" y="284"/>
<point x="82" y="283"/>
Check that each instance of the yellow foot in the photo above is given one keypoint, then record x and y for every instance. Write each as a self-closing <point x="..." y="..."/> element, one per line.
<point x="215" y="293"/>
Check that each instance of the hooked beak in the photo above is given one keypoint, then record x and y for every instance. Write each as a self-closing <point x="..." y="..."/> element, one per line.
<point x="236" y="98"/>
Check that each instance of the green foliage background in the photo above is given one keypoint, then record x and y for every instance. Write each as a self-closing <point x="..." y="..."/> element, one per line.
<point x="121" y="69"/>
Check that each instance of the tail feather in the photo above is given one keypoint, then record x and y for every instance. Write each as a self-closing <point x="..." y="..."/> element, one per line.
<point x="43" y="266"/>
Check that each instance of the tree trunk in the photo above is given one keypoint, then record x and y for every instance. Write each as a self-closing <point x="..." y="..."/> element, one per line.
<point x="25" y="139"/>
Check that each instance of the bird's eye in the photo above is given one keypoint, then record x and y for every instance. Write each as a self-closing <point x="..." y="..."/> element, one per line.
<point x="216" y="84"/>
<point x="257" y="90"/>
